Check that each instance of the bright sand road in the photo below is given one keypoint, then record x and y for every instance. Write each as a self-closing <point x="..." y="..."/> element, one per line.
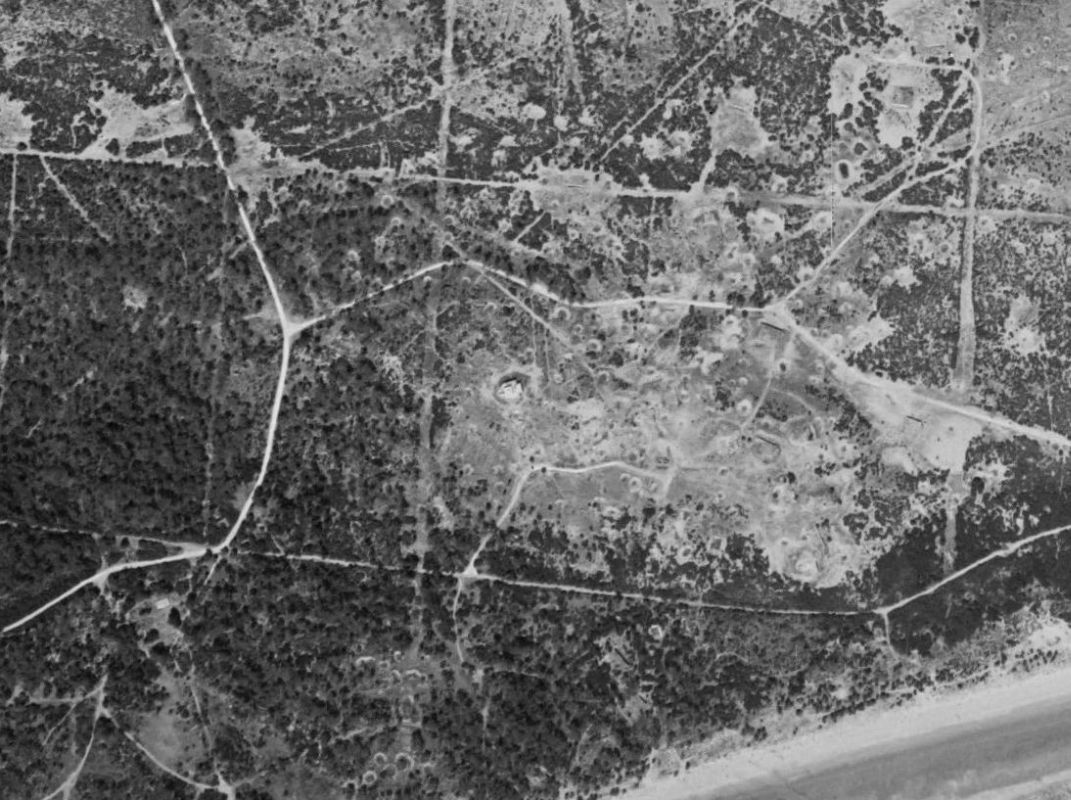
<point x="1005" y="741"/>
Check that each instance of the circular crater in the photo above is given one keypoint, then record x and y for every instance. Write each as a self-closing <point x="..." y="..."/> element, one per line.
<point x="512" y="388"/>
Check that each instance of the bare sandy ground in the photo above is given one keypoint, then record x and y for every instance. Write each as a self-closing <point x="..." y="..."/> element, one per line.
<point x="1006" y="739"/>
